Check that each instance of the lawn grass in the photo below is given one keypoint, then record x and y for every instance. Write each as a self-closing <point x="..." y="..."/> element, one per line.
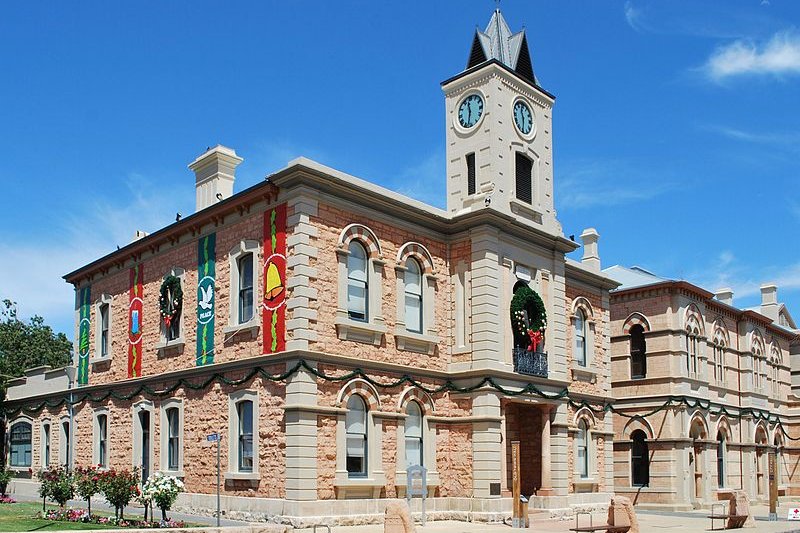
<point x="20" y="517"/>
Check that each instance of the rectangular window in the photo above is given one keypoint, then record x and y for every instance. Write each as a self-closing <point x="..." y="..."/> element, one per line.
<point x="46" y="444"/>
<point x="245" y="288"/>
<point x="65" y="459"/>
<point x="173" y="438"/>
<point x="102" y="440"/>
<point x="104" y="339"/>
<point x="471" y="173"/>
<point x="245" y="411"/>
<point x="20" y="444"/>
<point x="524" y="178"/>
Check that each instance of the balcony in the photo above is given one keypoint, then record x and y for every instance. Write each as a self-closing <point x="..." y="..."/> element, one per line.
<point x="530" y="363"/>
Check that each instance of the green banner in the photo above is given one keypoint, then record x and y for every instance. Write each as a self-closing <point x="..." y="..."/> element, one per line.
<point x="84" y="322"/>
<point x="206" y="276"/>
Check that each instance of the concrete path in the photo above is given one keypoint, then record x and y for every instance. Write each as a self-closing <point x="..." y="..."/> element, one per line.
<point x="649" y="522"/>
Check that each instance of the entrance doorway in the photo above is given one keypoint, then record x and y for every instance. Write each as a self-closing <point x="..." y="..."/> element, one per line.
<point x="524" y="424"/>
<point x="698" y="434"/>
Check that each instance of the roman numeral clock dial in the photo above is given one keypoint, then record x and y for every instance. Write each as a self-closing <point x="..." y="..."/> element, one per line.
<point x="470" y="110"/>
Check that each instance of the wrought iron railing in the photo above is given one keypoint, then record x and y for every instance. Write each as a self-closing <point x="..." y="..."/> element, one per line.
<point x="530" y="363"/>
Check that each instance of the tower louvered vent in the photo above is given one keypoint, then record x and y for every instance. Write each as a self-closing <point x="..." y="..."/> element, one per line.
<point x="476" y="55"/>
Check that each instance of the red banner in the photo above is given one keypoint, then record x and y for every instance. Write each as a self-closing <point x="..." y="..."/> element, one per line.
<point x="135" y="322"/>
<point x="273" y="314"/>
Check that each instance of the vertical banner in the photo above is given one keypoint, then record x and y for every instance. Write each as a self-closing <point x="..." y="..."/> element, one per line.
<point x="274" y="297"/>
<point x="135" y="305"/>
<point x="206" y="277"/>
<point x="84" y="322"/>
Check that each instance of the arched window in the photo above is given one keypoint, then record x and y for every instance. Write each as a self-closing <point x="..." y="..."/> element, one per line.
<point x="640" y="459"/>
<point x="413" y="435"/>
<point x="244" y="410"/>
<point x="722" y="452"/>
<point x="638" y="352"/>
<point x="173" y="438"/>
<point x="413" y="293"/>
<point x="20" y="444"/>
<point x="719" y="357"/>
<point x="356" y="428"/>
<point x="583" y="449"/>
<point x="692" y="347"/>
<point x="357" y="282"/>
<point x="758" y="353"/>
<point x="580" y="337"/>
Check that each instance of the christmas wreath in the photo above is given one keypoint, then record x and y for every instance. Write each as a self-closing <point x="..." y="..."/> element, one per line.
<point x="528" y="318"/>
<point x="170" y="299"/>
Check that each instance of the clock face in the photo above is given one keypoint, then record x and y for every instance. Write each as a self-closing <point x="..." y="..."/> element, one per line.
<point x="470" y="110"/>
<point x="523" y="117"/>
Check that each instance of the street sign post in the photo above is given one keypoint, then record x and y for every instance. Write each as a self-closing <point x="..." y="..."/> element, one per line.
<point x="215" y="437"/>
<point x="773" y="488"/>
<point x="417" y="485"/>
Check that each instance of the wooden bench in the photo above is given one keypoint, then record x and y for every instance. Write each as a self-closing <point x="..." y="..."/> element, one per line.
<point x="608" y="528"/>
<point x="729" y="521"/>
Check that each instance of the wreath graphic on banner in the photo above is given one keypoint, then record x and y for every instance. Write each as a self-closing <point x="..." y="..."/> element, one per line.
<point x="528" y="318"/>
<point x="170" y="299"/>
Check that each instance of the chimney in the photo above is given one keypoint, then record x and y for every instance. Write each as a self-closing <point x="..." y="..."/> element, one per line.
<point x="725" y="295"/>
<point x="591" y="257"/>
<point x="769" y="301"/>
<point x="214" y="174"/>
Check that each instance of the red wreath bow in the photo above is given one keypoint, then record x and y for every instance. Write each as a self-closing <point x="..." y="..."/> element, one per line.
<point x="536" y="339"/>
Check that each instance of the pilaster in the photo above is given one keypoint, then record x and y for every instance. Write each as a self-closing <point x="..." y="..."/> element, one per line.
<point x="301" y="435"/>
<point x="486" y="281"/>
<point x="301" y="273"/>
<point x="486" y="444"/>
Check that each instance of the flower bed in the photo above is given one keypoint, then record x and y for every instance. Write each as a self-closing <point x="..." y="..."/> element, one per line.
<point x="82" y="515"/>
<point x="7" y="499"/>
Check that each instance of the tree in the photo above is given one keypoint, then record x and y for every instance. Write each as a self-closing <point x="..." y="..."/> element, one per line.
<point x="26" y="345"/>
<point x="22" y="346"/>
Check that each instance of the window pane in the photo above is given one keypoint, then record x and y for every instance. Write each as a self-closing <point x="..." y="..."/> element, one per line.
<point x="246" y="272"/>
<point x="357" y="262"/>
<point x="356" y="428"/>
<point x="414" y="421"/>
<point x="357" y="300"/>
<point x="413" y="452"/>
<point x="413" y="313"/>
<point x="355" y="446"/>
<point x="413" y="277"/>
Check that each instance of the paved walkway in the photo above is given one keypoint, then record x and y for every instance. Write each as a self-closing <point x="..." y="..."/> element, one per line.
<point x="649" y="522"/>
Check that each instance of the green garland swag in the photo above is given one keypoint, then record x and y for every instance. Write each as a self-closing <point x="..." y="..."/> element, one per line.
<point x="526" y="301"/>
<point x="405" y="380"/>
<point x="171" y="286"/>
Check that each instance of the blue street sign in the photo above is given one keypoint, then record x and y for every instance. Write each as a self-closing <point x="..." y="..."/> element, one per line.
<point x="214" y="437"/>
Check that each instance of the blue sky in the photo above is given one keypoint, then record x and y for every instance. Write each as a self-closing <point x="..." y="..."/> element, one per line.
<point x="676" y="123"/>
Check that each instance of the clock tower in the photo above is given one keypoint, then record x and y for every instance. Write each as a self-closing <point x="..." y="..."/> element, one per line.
<point x="499" y="132"/>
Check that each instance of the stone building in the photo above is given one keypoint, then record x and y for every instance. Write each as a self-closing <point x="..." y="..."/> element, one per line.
<point x="335" y="333"/>
<point x="703" y="392"/>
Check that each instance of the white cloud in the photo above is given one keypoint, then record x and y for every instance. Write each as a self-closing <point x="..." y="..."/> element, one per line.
<point x="424" y="181"/>
<point x="778" y="56"/>
<point x="784" y="138"/>
<point x="634" y="17"/>
<point x="605" y="183"/>
<point x="32" y="265"/>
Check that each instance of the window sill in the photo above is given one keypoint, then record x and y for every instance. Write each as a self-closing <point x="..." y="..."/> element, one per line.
<point x="250" y="328"/>
<point x="242" y="476"/>
<point x="401" y="480"/>
<point x="359" y="487"/>
<point x="584" y="481"/>
<point x="165" y="347"/>
<point x="352" y="330"/>
<point x="174" y="473"/>
<point x="100" y="360"/>
<point x="584" y="373"/>
<point x="518" y="207"/>
<point x="415" y="342"/>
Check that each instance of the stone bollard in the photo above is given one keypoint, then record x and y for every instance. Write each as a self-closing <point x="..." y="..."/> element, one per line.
<point x="621" y="513"/>
<point x="397" y="518"/>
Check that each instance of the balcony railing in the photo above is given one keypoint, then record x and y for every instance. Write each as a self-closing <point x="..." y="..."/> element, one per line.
<point x="530" y="363"/>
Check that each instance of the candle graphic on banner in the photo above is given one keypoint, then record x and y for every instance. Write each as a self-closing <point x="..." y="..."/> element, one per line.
<point x="135" y="322"/>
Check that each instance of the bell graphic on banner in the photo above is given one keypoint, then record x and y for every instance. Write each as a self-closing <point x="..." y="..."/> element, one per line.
<point x="274" y="286"/>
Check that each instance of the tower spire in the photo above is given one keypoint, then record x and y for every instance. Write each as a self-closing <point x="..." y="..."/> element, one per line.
<point x="499" y="43"/>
